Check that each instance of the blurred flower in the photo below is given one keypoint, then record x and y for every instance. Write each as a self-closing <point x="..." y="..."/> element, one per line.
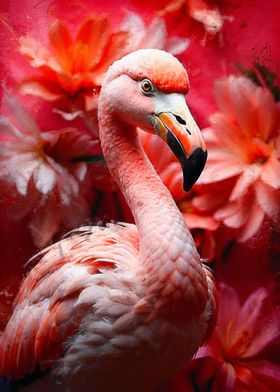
<point x="73" y="68"/>
<point x="244" y="151"/>
<point x="262" y="75"/>
<point x="206" y="13"/>
<point x="243" y="40"/>
<point x="204" y="18"/>
<point x="154" y="35"/>
<point x="236" y="359"/>
<point x="44" y="171"/>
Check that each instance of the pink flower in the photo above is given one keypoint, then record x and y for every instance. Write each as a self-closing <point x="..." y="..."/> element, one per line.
<point x="240" y="341"/>
<point x="244" y="152"/>
<point x="44" y="172"/>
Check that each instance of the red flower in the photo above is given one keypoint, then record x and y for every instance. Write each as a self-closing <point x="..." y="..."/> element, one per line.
<point x="205" y="13"/>
<point x="237" y="356"/>
<point x="73" y="67"/>
<point x="243" y="333"/>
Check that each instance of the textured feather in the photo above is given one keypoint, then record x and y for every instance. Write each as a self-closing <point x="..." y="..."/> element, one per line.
<point x="56" y="295"/>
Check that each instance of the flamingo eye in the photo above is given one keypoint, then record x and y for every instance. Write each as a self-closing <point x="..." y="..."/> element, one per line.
<point x="147" y="86"/>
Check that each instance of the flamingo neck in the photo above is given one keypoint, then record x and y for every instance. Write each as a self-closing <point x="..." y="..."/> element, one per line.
<point x="171" y="267"/>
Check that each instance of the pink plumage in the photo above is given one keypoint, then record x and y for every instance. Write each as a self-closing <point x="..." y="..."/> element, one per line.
<point x="121" y="307"/>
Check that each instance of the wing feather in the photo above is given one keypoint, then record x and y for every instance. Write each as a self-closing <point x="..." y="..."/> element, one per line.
<point x="58" y="293"/>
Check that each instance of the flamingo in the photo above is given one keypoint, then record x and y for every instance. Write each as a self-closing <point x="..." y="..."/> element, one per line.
<point x="121" y="307"/>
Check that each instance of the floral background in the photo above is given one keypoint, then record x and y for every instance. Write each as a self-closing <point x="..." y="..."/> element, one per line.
<point x="53" y="178"/>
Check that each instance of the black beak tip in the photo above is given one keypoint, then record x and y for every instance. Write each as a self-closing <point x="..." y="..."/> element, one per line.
<point x="193" y="167"/>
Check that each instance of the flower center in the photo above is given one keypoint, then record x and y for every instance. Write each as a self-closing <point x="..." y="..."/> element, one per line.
<point x="239" y="348"/>
<point x="259" y="152"/>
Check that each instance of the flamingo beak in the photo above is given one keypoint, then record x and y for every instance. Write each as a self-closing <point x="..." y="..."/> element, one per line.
<point x="183" y="136"/>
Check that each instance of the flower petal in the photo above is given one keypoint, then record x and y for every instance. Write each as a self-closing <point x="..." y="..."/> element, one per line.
<point x="268" y="198"/>
<point x="267" y="368"/>
<point x="245" y="180"/>
<point x="251" y="310"/>
<point x="155" y="35"/>
<point x="40" y="88"/>
<point x="94" y="33"/>
<point x="235" y="97"/>
<point x="196" y="221"/>
<point x="7" y="129"/>
<point x="229" y="307"/>
<point x="114" y="50"/>
<point x="229" y="210"/>
<point x="240" y="216"/>
<point x="24" y="121"/>
<point x="45" y="222"/>
<point x="265" y="334"/>
<point x="219" y="171"/>
<point x="34" y="50"/>
<point x="61" y="41"/>
<point x="268" y="115"/>
<point x="253" y="223"/>
<point x="44" y="178"/>
<point x="80" y="170"/>
<point x="271" y="173"/>
<point x="230" y="376"/>
<point x="24" y="176"/>
<point x="177" y="45"/>
<point x="136" y="28"/>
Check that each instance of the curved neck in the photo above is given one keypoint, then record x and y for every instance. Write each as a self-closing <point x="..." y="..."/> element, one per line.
<point x="167" y="251"/>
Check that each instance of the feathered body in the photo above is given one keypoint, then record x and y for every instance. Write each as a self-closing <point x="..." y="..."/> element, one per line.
<point x="121" y="307"/>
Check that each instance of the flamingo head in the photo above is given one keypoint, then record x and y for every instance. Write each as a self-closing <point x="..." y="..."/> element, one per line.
<point x="147" y="89"/>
